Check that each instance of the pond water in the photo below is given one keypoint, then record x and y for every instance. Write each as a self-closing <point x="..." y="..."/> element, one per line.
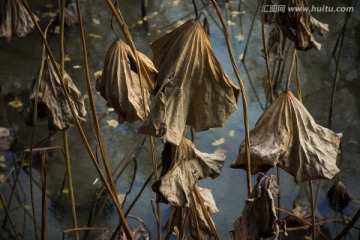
<point x="20" y="60"/>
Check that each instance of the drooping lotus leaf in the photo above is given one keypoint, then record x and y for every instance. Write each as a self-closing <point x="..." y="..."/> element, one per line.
<point x="14" y="19"/>
<point x="192" y="88"/>
<point x="70" y="18"/>
<point x="183" y="215"/>
<point x="120" y="84"/>
<point x="183" y="166"/>
<point x="297" y="26"/>
<point x="258" y="219"/>
<point x="51" y="99"/>
<point x="287" y="136"/>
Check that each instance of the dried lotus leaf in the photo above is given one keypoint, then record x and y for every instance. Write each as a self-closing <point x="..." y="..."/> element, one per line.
<point x="70" y="18"/>
<point x="287" y="136"/>
<point x="120" y="84"/>
<point x="191" y="89"/>
<point x="183" y="215"/>
<point x="14" y="19"/>
<point x="258" y="219"/>
<point x="52" y="102"/>
<point x="183" y="166"/>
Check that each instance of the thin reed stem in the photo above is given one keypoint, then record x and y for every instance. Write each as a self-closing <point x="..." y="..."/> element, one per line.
<point x="77" y="122"/>
<point x="250" y="31"/>
<point x="312" y="204"/>
<point x="266" y="53"/>
<point x="206" y="212"/>
<point x="290" y="71"/>
<point x="43" y="195"/>
<point x="195" y="9"/>
<point x="243" y="95"/>
<point x="65" y="137"/>
<point x="343" y="233"/>
<point x="196" y="221"/>
<point x="8" y="215"/>
<point x="297" y="72"/>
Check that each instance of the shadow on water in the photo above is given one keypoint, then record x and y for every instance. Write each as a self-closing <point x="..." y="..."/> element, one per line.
<point x="19" y="62"/>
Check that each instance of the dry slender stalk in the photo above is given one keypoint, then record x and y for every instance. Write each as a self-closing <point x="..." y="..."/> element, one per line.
<point x="243" y="96"/>
<point x="132" y="180"/>
<point x="312" y="204"/>
<point x="77" y="122"/>
<point x="142" y="73"/>
<point x="196" y="220"/>
<point x="290" y="70"/>
<point x="8" y="215"/>
<point x="186" y="220"/>
<point x="298" y="85"/>
<point x="250" y="31"/>
<point x="43" y="195"/>
<point x="92" y="102"/>
<point x="168" y="225"/>
<point x="266" y="55"/>
<point x="65" y="137"/>
<point x="348" y="226"/>
<point x="206" y="212"/>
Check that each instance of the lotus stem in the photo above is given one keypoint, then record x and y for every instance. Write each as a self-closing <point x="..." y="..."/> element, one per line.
<point x="290" y="71"/>
<point x="141" y="71"/>
<point x="206" y="212"/>
<point x="196" y="221"/>
<point x="77" y="122"/>
<point x="181" y="234"/>
<point x="196" y="9"/>
<point x="43" y="195"/>
<point x="243" y="96"/>
<point x="250" y="31"/>
<point x="266" y="55"/>
<point x="297" y="71"/>
<point x="168" y="225"/>
<point x="132" y="180"/>
<point x="348" y="226"/>
<point x="65" y="137"/>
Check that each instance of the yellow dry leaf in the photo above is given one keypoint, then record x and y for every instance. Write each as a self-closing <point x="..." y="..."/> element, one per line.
<point x="231" y="133"/>
<point x="85" y="96"/>
<point x="220" y="150"/>
<point x="2" y="177"/>
<point x="175" y="2"/>
<point x="57" y="30"/>
<point x="2" y="158"/>
<point x="98" y="74"/>
<point x="93" y="35"/>
<point x="231" y="23"/>
<point x="140" y="22"/>
<point x="180" y="22"/>
<point x="121" y="198"/>
<point x="96" y="21"/>
<point x="240" y="37"/>
<point x="218" y="142"/>
<point x="65" y="190"/>
<point x="110" y="110"/>
<point x="241" y="57"/>
<point x="67" y="58"/>
<point x="16" y="103"/>
<point x="26" y="206"/>
<point x="49" y="14"/>
<point x="76" y="67"/>
<point x="112" y="123"/>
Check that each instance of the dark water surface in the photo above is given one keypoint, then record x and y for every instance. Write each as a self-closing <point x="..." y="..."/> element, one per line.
<point x="20" y="60"/>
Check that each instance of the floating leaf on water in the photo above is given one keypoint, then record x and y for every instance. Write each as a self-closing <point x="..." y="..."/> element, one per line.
<point x="77" y="67"/>
<point x="96" y="21"/>
<point x="140" y="22"/>
<point x="112" y="123"/>
<point x="175" y="2"/>
<point x="231" y="133"/>
<point x="154" y="25"/>
<point x="57" y="30"/>
<point x="218" y="142"/>
<point x="98" y="74"/>
<point x="16" y="103"/>
<point x="49" y="14"/>
<point x="121" y="198"/>
<point x="240" y="37"/>
<point x="2" y="177"/>
<point x="67" y="58"/>
<point x="180" y="22"/>
<point x="96" y="36"/>
<point x="65" y="191"/>
<point x="241" y="56"/>
<point x="110" y="110"/>
<point x="287" y="136"/>
<point x="231" y="23"/>
<point x="220" y="151"/>
<point x="2" y="165"/>
<point x="85" y="96"/>
<point x="95" y="181"/>
<point x="50" y="5"/>
<point x="183" y="166"/>
<point x="192" y="87"/>
<point x="27" y="207"/>
<point x="2" y="158"/>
